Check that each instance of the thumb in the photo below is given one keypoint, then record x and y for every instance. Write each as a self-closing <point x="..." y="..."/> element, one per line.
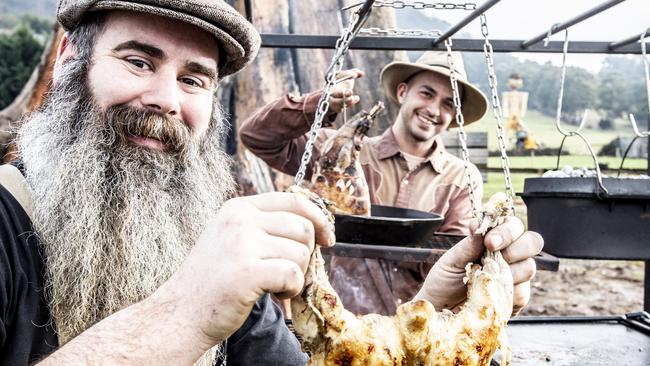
<point x="469" y="249"/>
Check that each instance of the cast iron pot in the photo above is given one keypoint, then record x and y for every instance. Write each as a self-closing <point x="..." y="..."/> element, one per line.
<point x="578" y="220"/>
<point x="387" y="226"/>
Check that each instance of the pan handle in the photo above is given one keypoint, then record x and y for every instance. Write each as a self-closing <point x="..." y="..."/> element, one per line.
<point x="544" y="261"/>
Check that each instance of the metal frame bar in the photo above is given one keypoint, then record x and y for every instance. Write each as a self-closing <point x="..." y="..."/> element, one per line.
<point x="543" y="261"/>
<point x="473" y="15"/>
<point x="366" y="7"/>
<point x="562" y="26"/>
<point x="248" y="8"/>
<point x="275" y="40"/>
<point x="626" y="41"/>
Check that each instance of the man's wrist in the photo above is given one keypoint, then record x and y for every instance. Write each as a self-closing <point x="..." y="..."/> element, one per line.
<point x="148" y="332"/>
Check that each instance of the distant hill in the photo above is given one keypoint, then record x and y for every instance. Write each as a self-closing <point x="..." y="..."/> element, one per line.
<point x="44" y="8"/>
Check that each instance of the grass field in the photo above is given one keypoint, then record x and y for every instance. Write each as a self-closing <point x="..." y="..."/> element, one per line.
<point x="576" y="161"/>
<point x="543" y="129"/>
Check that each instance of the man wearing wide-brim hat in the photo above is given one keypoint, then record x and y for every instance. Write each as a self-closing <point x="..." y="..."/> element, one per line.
<point x="474" y="102"/>
<point x="406" y="166"/>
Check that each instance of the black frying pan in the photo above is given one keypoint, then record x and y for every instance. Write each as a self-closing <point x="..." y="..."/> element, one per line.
<point x="387" y="226"/>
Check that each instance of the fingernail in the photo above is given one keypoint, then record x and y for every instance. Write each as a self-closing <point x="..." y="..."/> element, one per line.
<point x="332" y="238"/>
<point x="496" y="240"/>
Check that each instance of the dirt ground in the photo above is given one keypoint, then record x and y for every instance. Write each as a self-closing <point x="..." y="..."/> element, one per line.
<point x="588" y="287"/>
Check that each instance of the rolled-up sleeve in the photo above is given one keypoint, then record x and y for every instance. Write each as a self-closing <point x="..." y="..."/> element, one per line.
<point x="276" y="133"/>
<point x="264" y="339"/>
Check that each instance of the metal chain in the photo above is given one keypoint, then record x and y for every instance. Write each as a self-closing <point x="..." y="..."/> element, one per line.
<point x="496" y="107"/>
<point x="460" y="121"/>
<point x="401" y="4"/>
<point x="342" y="45"/>
<point x="373" y="31"/>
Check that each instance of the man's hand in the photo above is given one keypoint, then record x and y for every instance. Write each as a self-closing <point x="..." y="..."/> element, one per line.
<point x="256" y="244"/>
<point x="444" y="286"/>
<point x="343" y="92"/>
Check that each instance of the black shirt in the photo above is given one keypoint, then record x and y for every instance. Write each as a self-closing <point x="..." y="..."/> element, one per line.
<point x="26" y="331"/>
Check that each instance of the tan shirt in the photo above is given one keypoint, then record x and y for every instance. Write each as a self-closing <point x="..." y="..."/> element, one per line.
<point x="276" y="133"/>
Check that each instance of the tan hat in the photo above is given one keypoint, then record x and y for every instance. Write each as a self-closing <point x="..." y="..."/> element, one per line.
<point x="238" y="38"/>
<point x="474" y="102"/>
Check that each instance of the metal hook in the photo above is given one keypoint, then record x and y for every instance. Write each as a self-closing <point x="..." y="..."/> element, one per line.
<point x="549" y="34"/>
<point x="575" y="132"/>
<point x="558" y="111"/>
<point x="636" y="128"/>
<point x="352" y="6"/>
<point x="345" y="78"/>
<point x="629" y="146"/>
<point x="345" y="107"/>
<point x="647" y="67"/>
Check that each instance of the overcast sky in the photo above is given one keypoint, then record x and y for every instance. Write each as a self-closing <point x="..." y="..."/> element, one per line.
<point x="524" y="19"/>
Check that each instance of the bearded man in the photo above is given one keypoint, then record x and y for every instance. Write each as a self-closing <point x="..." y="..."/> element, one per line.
<point x="125" y="171"/>
<point x="116" y="245"/>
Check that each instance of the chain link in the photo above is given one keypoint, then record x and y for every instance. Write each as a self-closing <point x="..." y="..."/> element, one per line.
<point x="460" y="121"/>
<point x="373" y="31"/>
<point x="420" y="5"/>
<point x="496" y="107"/>
<point x="342" y="45"/>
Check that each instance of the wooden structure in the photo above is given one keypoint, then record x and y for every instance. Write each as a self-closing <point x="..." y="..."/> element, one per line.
<point x="31" y="96"/>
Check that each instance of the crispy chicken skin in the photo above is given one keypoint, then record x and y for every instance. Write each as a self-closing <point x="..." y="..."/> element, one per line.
<point x="338" y="176"/>
<point x="417" y="334"/>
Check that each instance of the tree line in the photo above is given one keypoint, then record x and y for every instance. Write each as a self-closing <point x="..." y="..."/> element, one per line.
<point x="20" y="52"/>
<point x="616" y="90"/>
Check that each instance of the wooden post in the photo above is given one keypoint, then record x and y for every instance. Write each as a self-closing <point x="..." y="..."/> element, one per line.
<point x="31" y="96"/>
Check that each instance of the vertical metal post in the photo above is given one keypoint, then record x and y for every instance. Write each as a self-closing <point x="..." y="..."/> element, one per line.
<point x="646" y="288"/>
<point x="646" y="279"/>
<point x="248" y="6"/>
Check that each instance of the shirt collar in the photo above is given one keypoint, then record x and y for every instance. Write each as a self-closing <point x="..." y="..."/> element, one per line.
<point x="388" y="147"/>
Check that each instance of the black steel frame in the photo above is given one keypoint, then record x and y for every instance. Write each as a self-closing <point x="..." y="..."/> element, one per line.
<point x="630" y="45"/>
<point x="274" y="40"/>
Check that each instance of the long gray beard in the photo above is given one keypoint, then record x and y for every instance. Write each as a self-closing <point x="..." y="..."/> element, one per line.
<point x="115" y="221"/>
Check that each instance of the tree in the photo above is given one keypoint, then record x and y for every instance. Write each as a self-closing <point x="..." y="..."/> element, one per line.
<point x="38" y="24"/>
<point x="20" y="52"/>
<point x="622" y="88"/>
<point x="579" y="91"/>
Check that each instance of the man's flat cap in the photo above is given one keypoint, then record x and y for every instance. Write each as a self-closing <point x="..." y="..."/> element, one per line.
<point x="238" y="38"/>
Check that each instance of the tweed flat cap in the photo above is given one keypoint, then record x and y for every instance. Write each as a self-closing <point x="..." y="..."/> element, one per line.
<point x="238" y="38"/>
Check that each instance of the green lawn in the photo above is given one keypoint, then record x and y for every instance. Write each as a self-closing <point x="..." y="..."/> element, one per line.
<point x="543" y="129"/>
<point x="576" y="161"/>
<point x="496" y="183"/>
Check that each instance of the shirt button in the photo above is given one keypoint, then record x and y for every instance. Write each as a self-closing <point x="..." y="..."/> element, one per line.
<point x="395" y="269"/>
<point x="399" y="301"/>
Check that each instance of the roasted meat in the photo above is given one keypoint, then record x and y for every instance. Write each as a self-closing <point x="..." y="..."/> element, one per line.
<point x="338" y="176"/>
<point x="417" y="334"/>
